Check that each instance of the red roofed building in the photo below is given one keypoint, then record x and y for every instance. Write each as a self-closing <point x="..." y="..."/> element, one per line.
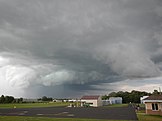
<point x="153" y="104"/>
<point x="91" y="100"/>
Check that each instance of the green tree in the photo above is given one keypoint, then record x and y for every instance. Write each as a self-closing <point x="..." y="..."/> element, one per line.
<point x="44" y="98"/>
<point x="9" y="99"/>
<point x="2" y="99"/>
<point x="133" y="96"/>
<point x="105" y="97"/>
<point x="113" y="94"/>
<point x="21" y="99"/>
<point x="155" y="92"/>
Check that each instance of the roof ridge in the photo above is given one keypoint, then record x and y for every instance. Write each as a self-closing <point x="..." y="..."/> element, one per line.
<point x="154" y="97"/>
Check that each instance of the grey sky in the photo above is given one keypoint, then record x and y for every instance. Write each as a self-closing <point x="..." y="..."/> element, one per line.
<point x="72" y="47"/>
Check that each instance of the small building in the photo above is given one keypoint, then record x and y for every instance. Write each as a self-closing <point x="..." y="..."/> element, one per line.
<point x="115" y="100"/>
<point x="58" y="100"/>
<point x="142" y="99"/>
<point x="29" y="100"/>
<point x="105" y="102"/>
<point x="153" y="104"/>
<point x="94" y="101"/>
<point x="72" y="100"/>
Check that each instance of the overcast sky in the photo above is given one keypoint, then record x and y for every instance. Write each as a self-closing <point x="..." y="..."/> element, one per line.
<point x="69" y="48"/>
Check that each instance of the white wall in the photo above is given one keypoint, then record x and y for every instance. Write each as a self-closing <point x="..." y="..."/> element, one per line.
<point x="105" y="102"/>
<point x="142" y="99"/>
<point x="115" y="100"/>
<point x="96" y="102"/>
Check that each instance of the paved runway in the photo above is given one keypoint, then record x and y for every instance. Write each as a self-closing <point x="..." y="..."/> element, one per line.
<point x="122" y="113"/>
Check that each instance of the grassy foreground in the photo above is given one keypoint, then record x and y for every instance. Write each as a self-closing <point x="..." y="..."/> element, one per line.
<point x="144" y="117"/>
<point x="33" y="105"/>
<point x="117" y="105"/>
<point x="22" y="118"/>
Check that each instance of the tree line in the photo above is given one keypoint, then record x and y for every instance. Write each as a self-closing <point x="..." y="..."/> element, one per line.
<point x="133" y="96"/>
<point x="44" y="98"/>
<point x="6" y="99"/>
<point x="11" y="99"/>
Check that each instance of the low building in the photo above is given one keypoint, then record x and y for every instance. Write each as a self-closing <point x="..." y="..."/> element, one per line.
<point x="29" y="100"/>
<point x="72" y="100"/>
<point x="142" y="99"/>
<point x="115" y="100"/>
<point x="94" y="101"/>
<point x="105" y="102"/>
<point x="153" y="104"/>
<point x="58" y="100"/>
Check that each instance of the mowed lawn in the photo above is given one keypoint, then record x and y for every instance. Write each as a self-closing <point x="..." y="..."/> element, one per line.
<point x="141" y="117"/>
<point x="22" y="118"/>
<point x="33" y="105"/>
<point x="144" y="117"/>
<point x="47" y="104"/>
<point x="117" y="105"/>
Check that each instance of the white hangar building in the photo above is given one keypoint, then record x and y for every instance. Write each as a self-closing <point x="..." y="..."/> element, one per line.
<point x="93" y="100"/>
<point x="115" y="100"/>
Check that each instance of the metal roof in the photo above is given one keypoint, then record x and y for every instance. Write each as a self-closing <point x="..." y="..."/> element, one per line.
<point x="154" y="97"/>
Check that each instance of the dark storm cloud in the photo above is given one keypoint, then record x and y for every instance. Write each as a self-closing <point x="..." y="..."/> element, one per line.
<point x="76" y="42"/>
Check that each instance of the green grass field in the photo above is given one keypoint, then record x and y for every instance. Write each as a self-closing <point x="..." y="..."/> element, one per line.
<point x="33" y="105"/>
<point x="20" y="118"/>
<point x="117" y="105"/>
<point x="144" y="117"/>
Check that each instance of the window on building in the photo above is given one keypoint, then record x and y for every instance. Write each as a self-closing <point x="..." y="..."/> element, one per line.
<point x="154" y="106"/>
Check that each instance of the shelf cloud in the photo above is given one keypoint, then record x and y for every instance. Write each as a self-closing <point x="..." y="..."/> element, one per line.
<point x="59" y="48"/>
